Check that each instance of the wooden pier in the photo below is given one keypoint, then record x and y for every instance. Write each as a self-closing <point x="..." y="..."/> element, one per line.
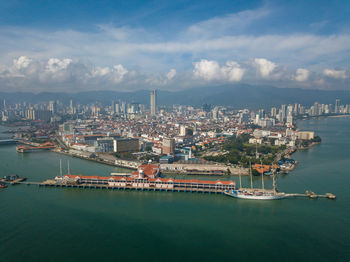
<point x="13" y="182"/>
<point x="312" y="195"/>
<point x="53" y="183"/>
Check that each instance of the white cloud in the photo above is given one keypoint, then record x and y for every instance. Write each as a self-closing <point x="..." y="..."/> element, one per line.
<point x="31" y="74"/>
<point x="54" y="64"/>
<point x="100" y="71"/>
<point x="233" y="71"/>
<point x="171" y="74"/>
<point x="21" y="62"/>
<point x="118" y="73"/>
<point x="227" y="24"/>
<point x="115" y="74"/>
<point x="264" y="67"/>
<point x="211" y="70"/>
<point x="338" y="74"/>
<point x="119" y="44"/>
<point x="208" y="70"/>
<point x="302" y="75"/>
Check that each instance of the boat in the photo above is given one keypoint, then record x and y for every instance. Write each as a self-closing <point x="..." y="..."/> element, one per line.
<point x="256" y="193"/>
<point x="3" y="185"/>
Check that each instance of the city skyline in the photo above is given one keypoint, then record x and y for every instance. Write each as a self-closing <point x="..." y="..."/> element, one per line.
<point x="173" y="46"/>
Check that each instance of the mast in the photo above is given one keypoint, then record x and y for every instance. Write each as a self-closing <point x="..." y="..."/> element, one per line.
<point x="262" y="176"/>
<point x="240" y="178"/>
<point x="68" y="168"/>
<point x="274" y="183"/>
<point x="250" y="173"/>
<point x="60" y="167"/>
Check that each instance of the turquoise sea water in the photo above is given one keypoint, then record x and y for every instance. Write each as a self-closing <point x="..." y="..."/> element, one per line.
<point x="55" y="224"/>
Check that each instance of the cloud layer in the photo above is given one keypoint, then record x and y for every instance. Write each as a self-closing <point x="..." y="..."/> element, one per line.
<point x="211" y="70"/>
<point x="216" y="51"/>
<point x="68" y="74"/>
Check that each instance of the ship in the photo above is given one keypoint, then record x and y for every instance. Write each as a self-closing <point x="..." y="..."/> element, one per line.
<point x="256" y="193"/>
<point x="26" y="149"/>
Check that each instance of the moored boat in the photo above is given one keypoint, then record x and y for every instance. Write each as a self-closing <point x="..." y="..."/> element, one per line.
<point x="256" y="193"/>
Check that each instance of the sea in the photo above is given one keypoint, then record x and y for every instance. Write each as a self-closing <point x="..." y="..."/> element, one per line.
<point x="69" y="224"/>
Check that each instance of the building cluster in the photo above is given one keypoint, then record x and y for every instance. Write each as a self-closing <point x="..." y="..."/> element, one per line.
<point x="174" y="134"/>
<point x="147" y="177"/>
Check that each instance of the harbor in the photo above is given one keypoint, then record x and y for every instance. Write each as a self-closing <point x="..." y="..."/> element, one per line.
<point x="112" y="216"/>
<point x="148" y="178"/>
<point x="188" y="189"/>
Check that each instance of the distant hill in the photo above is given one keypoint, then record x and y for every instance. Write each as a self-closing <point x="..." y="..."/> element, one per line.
<point x="235" y="95"/>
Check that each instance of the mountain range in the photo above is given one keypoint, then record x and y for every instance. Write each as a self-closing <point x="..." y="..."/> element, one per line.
<point x="238" y="96"/>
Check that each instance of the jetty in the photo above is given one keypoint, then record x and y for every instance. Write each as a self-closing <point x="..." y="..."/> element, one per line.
<point x="53" y="184"/>
<point x="12" y="179"/>
<point x="148" y="178"/>
<point x="8" y="141"/>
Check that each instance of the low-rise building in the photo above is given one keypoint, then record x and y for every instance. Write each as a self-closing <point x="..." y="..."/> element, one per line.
<point x="306" y="135"/>
<point x="122" y="145"/>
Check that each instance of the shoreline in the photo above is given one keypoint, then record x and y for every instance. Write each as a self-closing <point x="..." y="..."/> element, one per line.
<point x="93" y="159"/>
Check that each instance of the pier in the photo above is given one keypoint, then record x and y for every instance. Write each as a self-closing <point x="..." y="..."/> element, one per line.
<point x="312" y="195"/>
<point x="13" y="180"/>
<point x="52" y="183"/>
<point x="8" y="141"/>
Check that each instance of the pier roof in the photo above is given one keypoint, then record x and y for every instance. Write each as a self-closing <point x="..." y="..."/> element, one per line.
<point x="163" y="180"/>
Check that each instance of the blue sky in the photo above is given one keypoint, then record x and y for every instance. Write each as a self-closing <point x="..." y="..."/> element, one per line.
<point x="127" y="45"/>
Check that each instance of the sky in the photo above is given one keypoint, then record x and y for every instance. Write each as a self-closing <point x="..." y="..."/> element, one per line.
<point x="81" y="45"/>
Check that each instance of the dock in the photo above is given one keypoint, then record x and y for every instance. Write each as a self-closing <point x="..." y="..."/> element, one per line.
<point x="14" y="181"/>
<point x="8" y="142"/>
<point x="52" y="183"/>
<point x="312" y="195"/>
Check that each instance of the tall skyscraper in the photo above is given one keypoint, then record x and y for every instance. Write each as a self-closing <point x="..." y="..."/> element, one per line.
<point x="337" y="105"/>
<point x="153" y="102"/>
<point x="71" y="109"/>
<point x="52" y="107"/>
<point x="273" y="112"/>
<point x="113" y="107"/>
<point x="117" y="109"/>
<point x="283" y="112"/>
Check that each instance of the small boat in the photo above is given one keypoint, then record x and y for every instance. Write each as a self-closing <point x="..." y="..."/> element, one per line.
<point x="3" y="185"/>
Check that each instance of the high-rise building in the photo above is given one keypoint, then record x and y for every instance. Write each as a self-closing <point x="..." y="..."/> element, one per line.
<point x="153" y="102"/>
<point x="185" y="131"/>
<point x="123" y="107"/>
<point x="273" y="112"/>
<point x="168" y="146"/>
<point x="215" y="113"/>
<point x="283" y="113"/>
<point x="289" y="119"/>
<point x="71" y="109"/>
<point x="113" y="107"/>
<point x="337" y="105"/>
<point x="52" y="107"/>
<point x="116" y="110"/>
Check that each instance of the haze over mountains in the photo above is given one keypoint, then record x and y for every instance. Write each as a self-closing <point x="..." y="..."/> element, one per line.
<point x="235" y="95"/>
